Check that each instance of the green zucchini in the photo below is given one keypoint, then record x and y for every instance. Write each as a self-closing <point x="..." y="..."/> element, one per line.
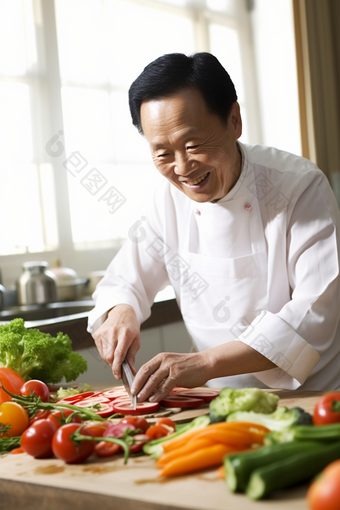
<point x="298" y="468"/>
<point x="330" y="432"/>
<point x="239" y="466"/>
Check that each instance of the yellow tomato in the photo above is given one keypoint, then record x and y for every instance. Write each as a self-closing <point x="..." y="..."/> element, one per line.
<point x="16" y="416"/>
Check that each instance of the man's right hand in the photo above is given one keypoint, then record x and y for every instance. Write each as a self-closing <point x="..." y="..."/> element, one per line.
<point x="118" y="338"/>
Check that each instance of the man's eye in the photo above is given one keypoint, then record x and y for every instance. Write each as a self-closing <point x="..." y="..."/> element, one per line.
<point x="191" y="147"/>
<point x="162" y="155"/>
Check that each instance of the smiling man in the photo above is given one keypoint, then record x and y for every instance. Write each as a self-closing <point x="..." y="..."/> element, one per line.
<point x="246" y="235"/>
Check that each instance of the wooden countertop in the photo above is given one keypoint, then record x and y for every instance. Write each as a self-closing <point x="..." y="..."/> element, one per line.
<point x="50" y="484"/>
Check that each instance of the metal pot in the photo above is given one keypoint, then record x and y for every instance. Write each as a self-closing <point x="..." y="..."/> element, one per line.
<point x="36" y="285"/>
<point x="72" y="290"/>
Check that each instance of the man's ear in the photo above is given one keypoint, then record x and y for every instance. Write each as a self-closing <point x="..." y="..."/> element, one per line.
<point x="236" y="120"/>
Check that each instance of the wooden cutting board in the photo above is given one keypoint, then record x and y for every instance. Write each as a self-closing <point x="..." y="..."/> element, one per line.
<point x="50" y="484"/>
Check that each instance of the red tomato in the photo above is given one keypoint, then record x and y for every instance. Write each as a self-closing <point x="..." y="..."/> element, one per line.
<point x="41" y="415"/>
<point x="142" y="408"/>
<point x="17" y="450"/>
<point x="37" y="439"/>
<point x="39" y="389"/>
<point x="139" y="440"/>
<point x="11" y="381"/>
<point x="14" y="415"/>
<point x="157" y="431"/>
<point x="167" y="422"/>
<point x="115" y="393"/>
<point x="65" y="449"/>
<point x="207" y="395"/>
<point x="91" y="401"/>
<point x="58" y="417"/>
<point x="137" y="421"/>
<point x="105" y="449"/>
<point x="324" y="492"/>
<point x="327" y="409"/>
<point x="181" y="401"/>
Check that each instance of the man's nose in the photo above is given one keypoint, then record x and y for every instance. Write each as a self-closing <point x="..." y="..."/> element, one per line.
<point x="184" y="165"/>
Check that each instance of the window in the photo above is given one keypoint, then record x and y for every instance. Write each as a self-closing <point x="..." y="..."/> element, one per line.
<point x="75" y="173"/>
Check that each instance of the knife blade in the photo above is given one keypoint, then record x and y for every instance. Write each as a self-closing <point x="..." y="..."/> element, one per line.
<point x="127" y="378"/>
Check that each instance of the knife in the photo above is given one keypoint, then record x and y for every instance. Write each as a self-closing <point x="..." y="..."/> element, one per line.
<point x="128" y="378"/>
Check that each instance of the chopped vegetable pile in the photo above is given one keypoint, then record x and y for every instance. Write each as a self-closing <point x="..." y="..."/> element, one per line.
<point x="37" y="355"/>
<point x="245" y="399"/>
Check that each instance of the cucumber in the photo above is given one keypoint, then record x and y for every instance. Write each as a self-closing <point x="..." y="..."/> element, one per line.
<point x="239" y="466"/>
<point x="296" y="469"/>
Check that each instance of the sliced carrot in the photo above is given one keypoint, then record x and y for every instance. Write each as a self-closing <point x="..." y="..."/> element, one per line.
<point x="238" y="438"/>
<point x="193" y="445"/>
<point x="200" y="459"/>
<point x="221" y="472"/>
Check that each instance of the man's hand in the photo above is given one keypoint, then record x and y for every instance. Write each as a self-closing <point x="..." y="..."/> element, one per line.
<point x="118" y="338"/>
<point x="162" y="373"/>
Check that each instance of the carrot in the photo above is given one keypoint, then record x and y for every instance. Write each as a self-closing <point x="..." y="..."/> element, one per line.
<point x="237" y="438"/>
<point x="193" y="445"/>
<point x="178" y="442"/>
<point x="221" y="472"/>
<point x="200" y="459"/>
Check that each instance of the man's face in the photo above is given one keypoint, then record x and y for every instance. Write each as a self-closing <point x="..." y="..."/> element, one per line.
<point x="192" y="147"/>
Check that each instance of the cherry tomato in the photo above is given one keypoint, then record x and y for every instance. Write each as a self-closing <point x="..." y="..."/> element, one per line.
<point x="41" y="415"/>
<point x="14" y="415"/>
<point x="327" y="409"/>
<point x="105" y="449"/>
<point x="65" y="449"/>
<point x="138" y="422"/>
<point x="37" y="439"/>
<point x="11" y="381"/>
<point x="58" y="419"/>
<point x="39" y="389"/>
<point x="139" y="440"/>
<point x="324" y="492"/>
<point x="157" y="431"/>
<point x="95" y="428"/>
<point x="118" y="429"/>
<point x="167" y="422"/>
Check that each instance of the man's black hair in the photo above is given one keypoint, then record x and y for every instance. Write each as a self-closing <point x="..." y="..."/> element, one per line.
<point x="173" y="72"/>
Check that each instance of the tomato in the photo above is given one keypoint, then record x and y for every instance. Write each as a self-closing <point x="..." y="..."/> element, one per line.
<point x="58" y="417"/>
<point x="39" y="389"/>
<point x="37" y="439"/>
<point x="17" y="450"/>
<point x="139" y="440"/>
<point x="11" y="381"/>
<point x="181" y="401"/>
<point x="327" y="409"/>
<point x="14" y="415"/>
<point x="65" y="449"/>
<point x="167" y="422"/>
<point x="95" y="428"/>
<point x="91" y="401"/>
<point x="137" y="421"/>
<point x="157" y="431"/>
<point x="105" y="449"/>
<point x="41" y="415"/>
<point x="207" y="395"/>
<point x="142" y="408"/>
<point x="118" y="429"/>
<point x="324" y="492"/>
<point x="115" y="393"/>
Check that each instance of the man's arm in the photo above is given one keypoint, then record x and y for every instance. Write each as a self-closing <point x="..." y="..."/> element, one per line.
<point x="159" y="376"/>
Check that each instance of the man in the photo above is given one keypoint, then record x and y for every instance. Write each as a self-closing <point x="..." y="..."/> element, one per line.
<point x="246" y="235"/>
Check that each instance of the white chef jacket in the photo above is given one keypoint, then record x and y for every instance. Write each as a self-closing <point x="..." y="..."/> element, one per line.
<point x="260" y="265"/>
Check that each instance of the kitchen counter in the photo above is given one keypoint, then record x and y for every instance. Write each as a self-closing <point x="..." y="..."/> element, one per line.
<point x="50" y="484"/>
